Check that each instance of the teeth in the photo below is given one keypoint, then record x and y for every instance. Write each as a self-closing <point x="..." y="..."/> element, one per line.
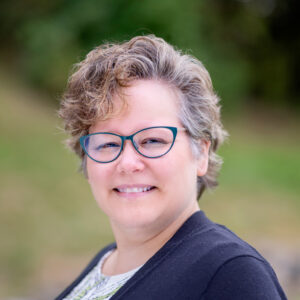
<point x="135" y="189"/>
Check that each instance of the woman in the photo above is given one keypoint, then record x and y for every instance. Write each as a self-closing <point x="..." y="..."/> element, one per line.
<point x="146" y="123"/>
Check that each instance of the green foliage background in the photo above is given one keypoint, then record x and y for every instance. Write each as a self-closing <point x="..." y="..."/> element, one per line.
<point x="249" y="46"/>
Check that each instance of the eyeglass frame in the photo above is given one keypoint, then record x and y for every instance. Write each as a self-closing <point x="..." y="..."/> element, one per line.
<point x="129" y="137"/>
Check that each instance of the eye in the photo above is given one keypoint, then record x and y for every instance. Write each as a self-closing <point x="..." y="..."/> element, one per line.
<point x="107" y="146"/>
<point x="153" y="141"/>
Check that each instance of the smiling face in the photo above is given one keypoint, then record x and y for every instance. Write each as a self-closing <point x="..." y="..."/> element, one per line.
<point x="140" y="192"/>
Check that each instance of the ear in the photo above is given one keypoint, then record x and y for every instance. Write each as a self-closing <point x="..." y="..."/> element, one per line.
<point x="203" y="158"/>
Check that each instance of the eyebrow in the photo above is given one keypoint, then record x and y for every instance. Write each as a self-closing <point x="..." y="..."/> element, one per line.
<point x="179" y="127"/>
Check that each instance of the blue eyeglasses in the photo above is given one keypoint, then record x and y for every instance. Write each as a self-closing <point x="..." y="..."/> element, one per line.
<point x="151" y="142"/>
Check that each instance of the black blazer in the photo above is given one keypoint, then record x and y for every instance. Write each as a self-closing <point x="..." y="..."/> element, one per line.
<point x="203" y="260"/>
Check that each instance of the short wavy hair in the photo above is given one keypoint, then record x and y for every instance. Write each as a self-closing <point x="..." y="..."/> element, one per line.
<point x="109" y="68"/>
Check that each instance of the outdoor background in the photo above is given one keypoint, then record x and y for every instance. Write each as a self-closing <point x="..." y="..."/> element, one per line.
<point x="50" y="225"/>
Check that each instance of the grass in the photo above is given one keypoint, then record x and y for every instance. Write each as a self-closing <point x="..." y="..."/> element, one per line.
<point x="50" y="225"/>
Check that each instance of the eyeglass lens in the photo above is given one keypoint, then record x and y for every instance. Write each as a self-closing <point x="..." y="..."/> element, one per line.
<point x="151" y="142"/>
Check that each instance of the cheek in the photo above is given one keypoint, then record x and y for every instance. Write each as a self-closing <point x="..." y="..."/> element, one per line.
<point x="98" y="175"/>
<point x="179" y="173"/>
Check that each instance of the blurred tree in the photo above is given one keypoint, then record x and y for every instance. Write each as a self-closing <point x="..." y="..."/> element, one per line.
<point x="266" y="33"/>
<point x="250" y="47"/>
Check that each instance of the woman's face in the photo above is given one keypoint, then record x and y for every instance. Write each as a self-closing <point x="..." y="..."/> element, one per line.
<point x="172" y="178"/>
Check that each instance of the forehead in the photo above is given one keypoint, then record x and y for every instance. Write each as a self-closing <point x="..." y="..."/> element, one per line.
<point x="147" y="103"/>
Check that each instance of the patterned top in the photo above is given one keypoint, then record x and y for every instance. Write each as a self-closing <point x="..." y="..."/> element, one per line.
<point x="96" y="286"/>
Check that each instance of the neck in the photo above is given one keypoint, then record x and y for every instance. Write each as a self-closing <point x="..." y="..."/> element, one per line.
<point x="136" y="245"/>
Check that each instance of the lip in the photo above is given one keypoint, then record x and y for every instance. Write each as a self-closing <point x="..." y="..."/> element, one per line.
<point x="133" y="190"/>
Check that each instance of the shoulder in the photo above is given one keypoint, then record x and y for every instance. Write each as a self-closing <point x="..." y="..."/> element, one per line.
<point x="207" y="241"/>
<point x="86" y="270"/>
<point x="210" y="245"/>
<point x="244" y="277"/>
<point x="219" y="261"/>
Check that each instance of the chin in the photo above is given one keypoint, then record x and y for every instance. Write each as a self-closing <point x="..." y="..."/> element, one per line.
<point x="135" y="220"/>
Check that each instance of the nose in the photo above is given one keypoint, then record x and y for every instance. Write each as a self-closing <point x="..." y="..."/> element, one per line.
<point x="130" y="160"/>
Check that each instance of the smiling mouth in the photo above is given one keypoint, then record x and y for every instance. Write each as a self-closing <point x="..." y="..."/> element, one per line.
<point x="132" y="190"/>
